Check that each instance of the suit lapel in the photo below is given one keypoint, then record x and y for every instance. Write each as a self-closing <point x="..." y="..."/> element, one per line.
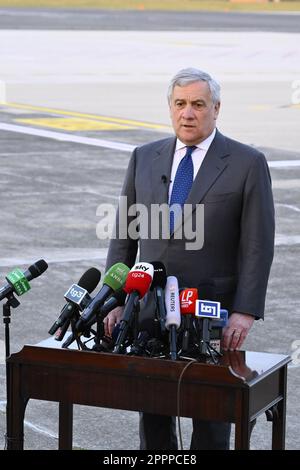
<point x="161" y="166"/>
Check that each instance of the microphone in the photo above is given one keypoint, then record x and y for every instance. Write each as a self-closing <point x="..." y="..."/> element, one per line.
<point x="188" y="298"/>
<point x="207" y="311"/>
<point x="173" y="313"/>
<point x="106" y="343"/>
<point x="217" y="330"/>
<point x="137" y="284"/>
<point x="164" y="179"/>
<point x="60" y="333"/>
<point x="76" y="296"/>
<point x="115" y="300"/>
<point x="157" y="286"/>
<point x="113" y="280"/>
<point x="18" y="282"/>
<point x="138" y="347"/>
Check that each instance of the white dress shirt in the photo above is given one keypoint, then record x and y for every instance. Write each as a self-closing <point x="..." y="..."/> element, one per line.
<point x="197" y="157"/>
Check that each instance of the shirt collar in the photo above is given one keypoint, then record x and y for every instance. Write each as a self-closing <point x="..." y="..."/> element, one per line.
<point x="204" y="145"/>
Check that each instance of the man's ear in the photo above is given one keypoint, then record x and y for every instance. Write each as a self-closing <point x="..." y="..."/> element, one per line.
<point x="217" y="109"/>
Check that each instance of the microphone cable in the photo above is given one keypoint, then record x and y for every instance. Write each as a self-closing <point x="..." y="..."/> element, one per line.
<point x="191" y="361"/>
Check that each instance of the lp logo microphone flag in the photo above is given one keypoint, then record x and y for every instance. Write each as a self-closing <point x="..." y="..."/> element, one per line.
<point x="188" y="298"/>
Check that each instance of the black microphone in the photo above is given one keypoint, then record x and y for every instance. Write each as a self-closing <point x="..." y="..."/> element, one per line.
<point x="164" y="179"/>
<point x="138" y="347"/>
<point x="158" y="284"/>
<point x="88" y="282"/>
<point x="115" y="300"/>
<point x="187" y="298"/>
<point x="114" y="279"/>
<point x="60" y="333"/>
<point x="18" y="282"/>
<point x="106" y="343"/>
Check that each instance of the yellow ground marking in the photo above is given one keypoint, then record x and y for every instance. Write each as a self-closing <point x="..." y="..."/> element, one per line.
<point x="263" y="107"/>
<point x="93" y="117"/>
<point x="75" y="124"/>
<point x="182" y="5"/>
<point x="260" y="107"/>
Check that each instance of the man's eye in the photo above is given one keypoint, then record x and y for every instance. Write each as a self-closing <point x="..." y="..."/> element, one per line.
<point x="179" y="104"/>
<point x="199" y="105"/>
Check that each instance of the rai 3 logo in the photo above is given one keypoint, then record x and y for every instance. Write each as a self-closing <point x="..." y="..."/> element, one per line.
<point x="295" y="98"/>
<point x="295" y="356"/>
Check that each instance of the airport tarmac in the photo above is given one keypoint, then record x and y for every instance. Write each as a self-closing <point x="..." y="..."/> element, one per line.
<point x="148" y="20"/>
<point x="76" y="104"/>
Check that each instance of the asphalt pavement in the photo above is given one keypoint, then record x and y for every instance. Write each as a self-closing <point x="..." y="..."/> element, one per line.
<point x="147" y="20"/>
<point x="65" y="145"/>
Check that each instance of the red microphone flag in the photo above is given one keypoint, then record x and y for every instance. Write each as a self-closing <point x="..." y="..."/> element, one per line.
<point x="139" y="280"/>
<point x="188" y="299"/>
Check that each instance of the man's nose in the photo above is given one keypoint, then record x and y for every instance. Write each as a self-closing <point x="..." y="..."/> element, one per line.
<point x="188" y="112"/>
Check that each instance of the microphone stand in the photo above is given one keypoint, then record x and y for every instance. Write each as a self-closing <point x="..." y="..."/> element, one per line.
<point x="102" y="343"/>
<point x="11" y="302"/>
<point x="205" y="348"/>
<point x="173" y="342"/>
<point x="125" y="325"/>
<point x="74" y="336"/>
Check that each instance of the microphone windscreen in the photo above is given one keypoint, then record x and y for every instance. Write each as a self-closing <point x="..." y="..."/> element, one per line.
<point x="188" y="299"/>
<point x="38" y="268"/>
<point x="159" y="276"/>
<point x="172" y="302"/>
<point x="139" y="279"/>
<point x="90" y="279"/>
<point x="223" y="320"/>
<point x="116" y="276"/>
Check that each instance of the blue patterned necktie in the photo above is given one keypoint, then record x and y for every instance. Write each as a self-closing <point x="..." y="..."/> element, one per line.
<point x="182" y="183"/>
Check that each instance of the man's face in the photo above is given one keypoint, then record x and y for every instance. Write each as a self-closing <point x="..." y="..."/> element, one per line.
<point x="193" y="112"/>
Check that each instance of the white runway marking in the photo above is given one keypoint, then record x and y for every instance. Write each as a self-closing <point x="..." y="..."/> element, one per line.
<point x="2" y="352"/>
<point x="69" y="255"/>
<point x="38" y="429"/>
<point x="57" y="256"/>
<point x="67" y="137"/>
<point x="289" y="206"/>
<point x="286" y="184"/>
<point x="282" y="164"/>
<point x="287" y="240"/>
<point x="293" y="366"/>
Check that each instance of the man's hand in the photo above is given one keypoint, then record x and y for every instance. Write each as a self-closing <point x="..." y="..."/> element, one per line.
<point x="112" y="319"/>
<point x="235" y="332"/>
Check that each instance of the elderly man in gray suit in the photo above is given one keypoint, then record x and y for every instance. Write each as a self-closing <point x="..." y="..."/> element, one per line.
<point x="232" y="181"/>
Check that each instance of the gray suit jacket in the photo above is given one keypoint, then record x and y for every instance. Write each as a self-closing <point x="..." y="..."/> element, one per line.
<point x="234" y="185"/>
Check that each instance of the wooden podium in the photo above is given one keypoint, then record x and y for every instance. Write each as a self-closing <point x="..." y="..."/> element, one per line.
<point x="240" y="388"/>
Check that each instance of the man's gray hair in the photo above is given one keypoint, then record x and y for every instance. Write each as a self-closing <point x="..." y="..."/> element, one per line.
<point x="190" y="75"/>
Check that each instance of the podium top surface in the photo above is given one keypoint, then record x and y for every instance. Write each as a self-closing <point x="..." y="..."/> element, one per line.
<point x="234" y="367"/>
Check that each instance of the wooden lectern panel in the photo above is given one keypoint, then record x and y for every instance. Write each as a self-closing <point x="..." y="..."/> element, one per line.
<point x="237" y="389"/>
